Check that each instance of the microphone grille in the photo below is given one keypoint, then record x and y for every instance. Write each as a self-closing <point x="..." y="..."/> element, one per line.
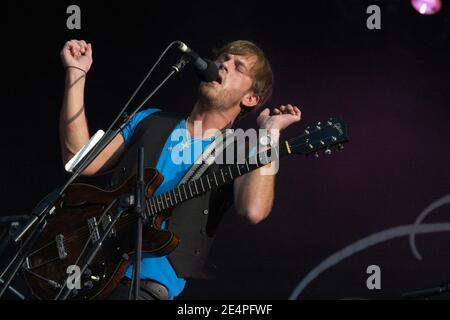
<point x="210" y="73"/>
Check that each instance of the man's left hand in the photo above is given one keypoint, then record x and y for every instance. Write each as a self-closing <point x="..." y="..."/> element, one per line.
<point x="279" y="118"/>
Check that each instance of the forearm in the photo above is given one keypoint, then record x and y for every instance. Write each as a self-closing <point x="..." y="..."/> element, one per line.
<point x="73" y="128"/>
<point x="255" y="191"/>
<point x="255" y="194"/>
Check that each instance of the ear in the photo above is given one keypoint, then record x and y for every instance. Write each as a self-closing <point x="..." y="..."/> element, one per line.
<point x="250" y="99"/>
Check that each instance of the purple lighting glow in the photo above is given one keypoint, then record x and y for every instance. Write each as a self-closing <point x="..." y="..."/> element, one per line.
<point x="427" y="7"/>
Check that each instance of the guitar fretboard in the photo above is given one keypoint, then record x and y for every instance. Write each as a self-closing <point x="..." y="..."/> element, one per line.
<point x="213" y="180"/>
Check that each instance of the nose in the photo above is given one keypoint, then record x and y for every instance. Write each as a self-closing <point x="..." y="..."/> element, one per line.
<point x="222" y="65"/>
<point x="226" y="63"/>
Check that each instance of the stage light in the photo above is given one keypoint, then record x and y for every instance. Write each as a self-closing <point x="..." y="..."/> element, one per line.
<point x="427" y="7"/>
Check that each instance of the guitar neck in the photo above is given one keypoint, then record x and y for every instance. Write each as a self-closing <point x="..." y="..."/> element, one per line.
<point x="214" y="180"/>
<point x="322" y="136"/>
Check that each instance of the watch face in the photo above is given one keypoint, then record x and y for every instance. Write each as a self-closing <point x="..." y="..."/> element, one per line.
<point x="265" y="140"/>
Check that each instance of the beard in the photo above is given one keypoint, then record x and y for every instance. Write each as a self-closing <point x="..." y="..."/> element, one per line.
<point x="214" y="97"/>
<point x="210" y="96"/>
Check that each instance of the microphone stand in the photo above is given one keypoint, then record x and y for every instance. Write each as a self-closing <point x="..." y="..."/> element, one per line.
<point x="5" y="240"/>
<point x="20" y="256"/>
<point x="140" y="211"/>
<point x="17" y="293"/>
<point x="39" y="219"/>
<point x="13" y="223"/>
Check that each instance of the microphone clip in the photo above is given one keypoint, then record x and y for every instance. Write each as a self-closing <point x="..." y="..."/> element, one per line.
<point x="180" y="63"/>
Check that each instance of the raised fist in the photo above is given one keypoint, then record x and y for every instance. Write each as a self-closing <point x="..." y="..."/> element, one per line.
<point x="77" y="53"/>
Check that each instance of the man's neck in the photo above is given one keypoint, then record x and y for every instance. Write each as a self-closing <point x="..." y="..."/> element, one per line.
<point x="210" y="119"/>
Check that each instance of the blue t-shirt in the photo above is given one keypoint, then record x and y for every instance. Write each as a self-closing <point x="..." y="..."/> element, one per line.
<point x="179" y="153"/>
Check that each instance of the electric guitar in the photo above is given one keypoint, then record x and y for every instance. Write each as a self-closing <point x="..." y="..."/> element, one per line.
<point x="82" y="215"/>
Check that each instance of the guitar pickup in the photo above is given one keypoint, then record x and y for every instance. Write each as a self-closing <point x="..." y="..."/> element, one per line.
<point x="93" y="230"/>
<point x="106" y="220"/>
<point x="62" y="252"/>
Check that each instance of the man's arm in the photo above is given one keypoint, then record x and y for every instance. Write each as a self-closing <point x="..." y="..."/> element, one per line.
<point x="254" y="192"/>
<point x="73" y="129"/>
<point x="254" y="195"/>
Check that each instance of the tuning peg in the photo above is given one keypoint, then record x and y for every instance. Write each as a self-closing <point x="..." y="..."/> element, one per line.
<point x="316" y="155"/>
<point x="330" y="123"/>
<point x="340" y="147"/>
<point x="327" y="151"/>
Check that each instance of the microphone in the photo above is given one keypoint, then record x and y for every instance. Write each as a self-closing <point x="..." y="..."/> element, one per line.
<point x="206" y="69"/>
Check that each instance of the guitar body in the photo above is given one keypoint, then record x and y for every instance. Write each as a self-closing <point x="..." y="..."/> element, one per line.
<point x="78" y="218"/>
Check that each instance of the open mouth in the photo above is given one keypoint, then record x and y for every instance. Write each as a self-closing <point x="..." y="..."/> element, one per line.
<point x="219" y="79"/>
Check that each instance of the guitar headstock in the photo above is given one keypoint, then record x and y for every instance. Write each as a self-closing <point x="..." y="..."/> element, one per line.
<point x="322" y="136"/>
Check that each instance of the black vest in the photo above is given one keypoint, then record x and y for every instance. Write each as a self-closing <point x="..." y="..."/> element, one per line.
<point x="194" y="221"/>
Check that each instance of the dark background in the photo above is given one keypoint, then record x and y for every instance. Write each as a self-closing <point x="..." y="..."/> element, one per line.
<point x="391" y="86"/>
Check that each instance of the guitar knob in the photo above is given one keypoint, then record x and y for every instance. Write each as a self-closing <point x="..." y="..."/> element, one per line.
<point x="74" y="292"/>
<point x="88" y="285"/>
<point x="95" y="278"/>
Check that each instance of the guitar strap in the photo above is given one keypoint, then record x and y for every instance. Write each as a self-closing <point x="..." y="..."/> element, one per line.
<point x="207" y="158"/>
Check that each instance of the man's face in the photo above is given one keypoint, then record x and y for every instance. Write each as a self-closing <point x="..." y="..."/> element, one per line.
<point x="233" y="85"/>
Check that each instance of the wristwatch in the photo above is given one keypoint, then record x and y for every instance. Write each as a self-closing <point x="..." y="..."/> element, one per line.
<point x="266" y="140"/>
